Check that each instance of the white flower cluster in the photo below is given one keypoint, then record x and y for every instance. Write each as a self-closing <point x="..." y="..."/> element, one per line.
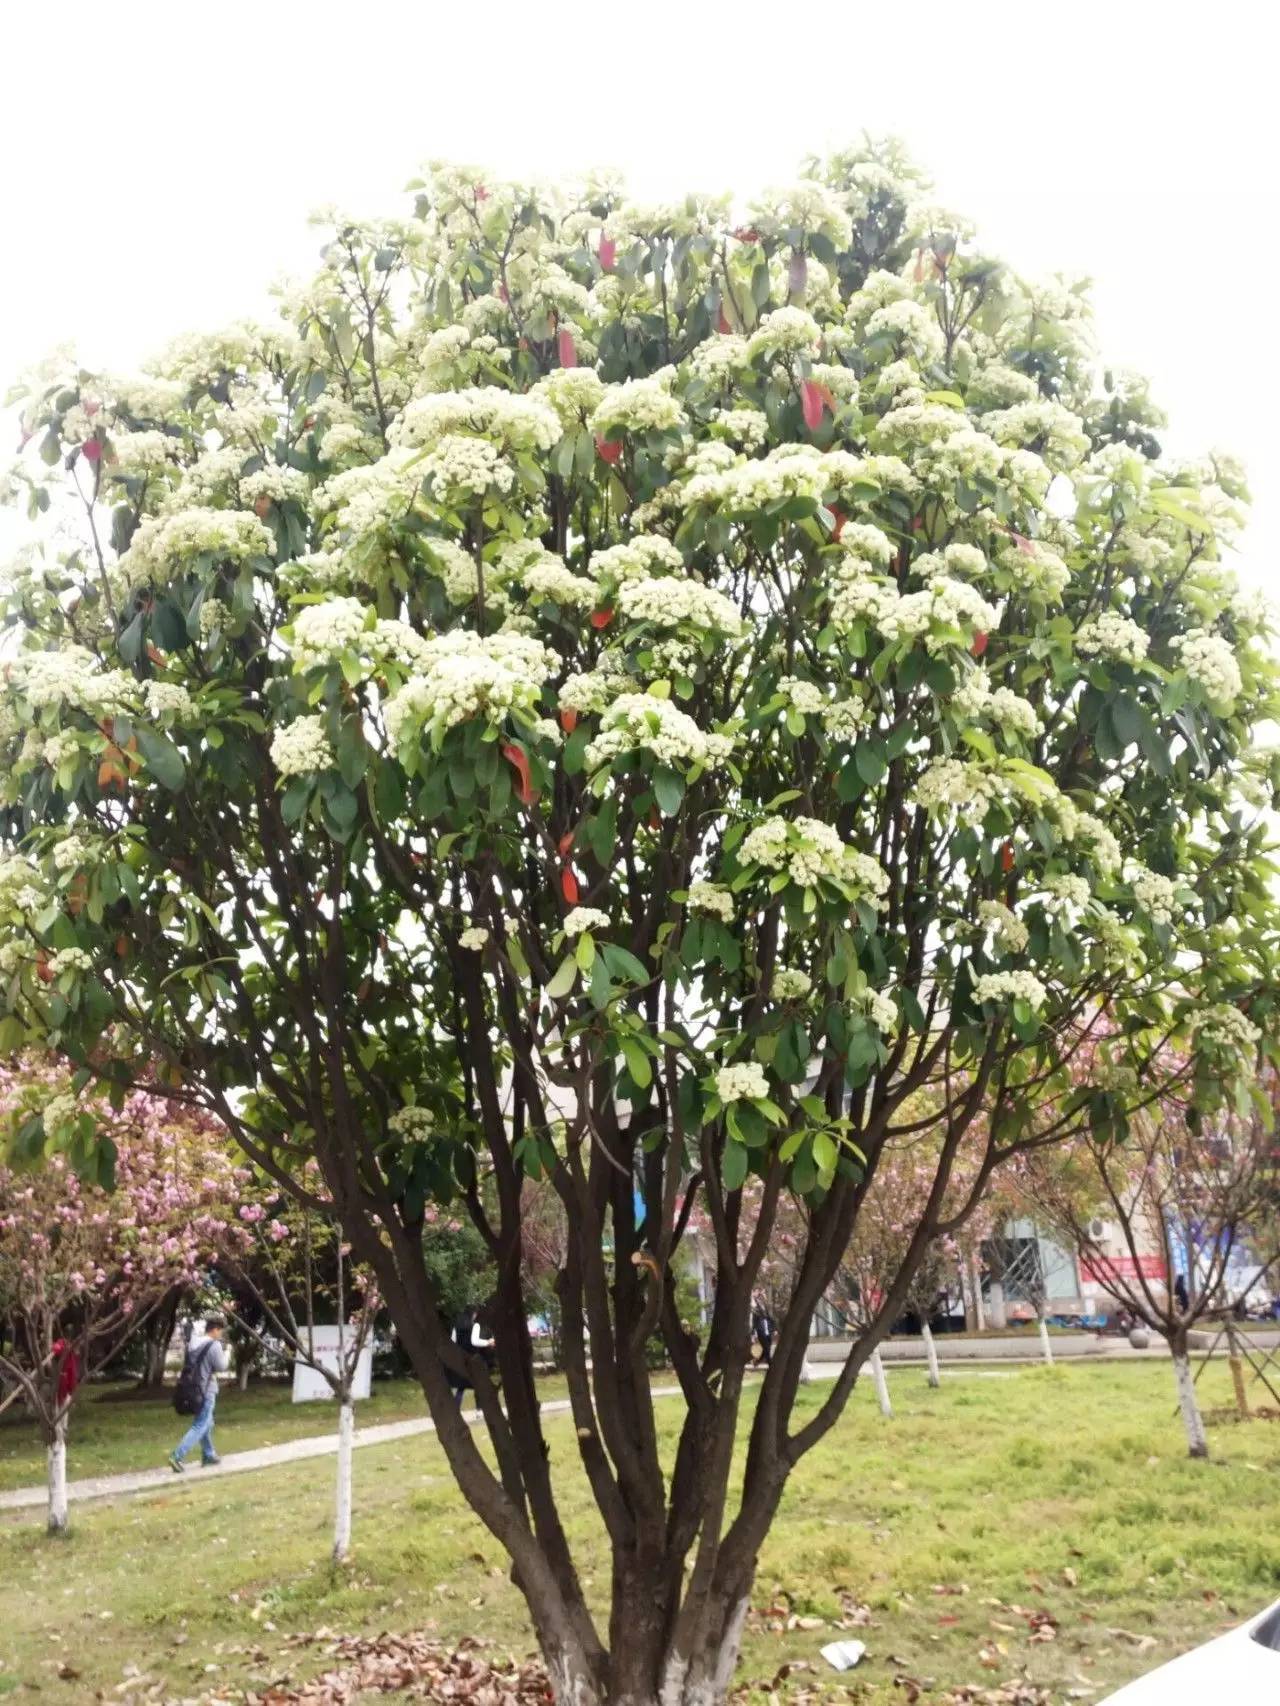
<point x="803" y="696"/>
<point x="784" y="331"/>
<point x="301" y="747"/>
<point x="1067" y="889"/>
<point x="947" y="611"/>
<point x="745" y="1082"/>
<point x="717" y="360"/>
<point x="1009" y="931"/>
<point x="276" y="484"/>
<point x="1010" y="986"/>
<point x="463" y="674"/>
<point x="371" y="497"/>
<point x="1209" y="661"/>
<point x="1225" y="1028"/>
<point x="1106" y="849"/>
<point x="72" y="853"/>
<point x="70" y="959"/>
<point x="638" y="405"/>
<point x="462" y="468"/>
<point x="743" y="426"/>
<point x="343" y="438"/>
<point x="473" y="937"/>
<point x="1045" y="422"/>
<point x="512" y="419"/>
<point x="583" y="918"/>
<point x="1156" y="895"/>
<point x="412" y="1124"/>
<point x="169" y="700"/>
<point x="843" y="718"/>
<point x="575" y="393"/>
<point x="547" y="577"/>
<point x="165" y="542"/>
<point x="912" y="326"/>
<point x="790" y="984"/>
<point x="804" y="207"/>
<point x="710" y="898"/>
<point x="861" y="539"/>
<point x="636" y="722"/>
<point x="951" y="784"/>
<point x="810" y="850"/>
<point x="647" y="554"/>
<point x="72" y="677"/>
<point x="1112" y="635"/>
<point x="882" y="1010"/>
<point x="1036" y="568"/>
<point x="323" y="632"/>
<point x="974" y="701"/>
<point x="146" y="452"/>
<point x="679" y="601"/>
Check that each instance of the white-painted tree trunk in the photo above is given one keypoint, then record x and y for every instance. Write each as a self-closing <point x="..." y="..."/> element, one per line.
<point x="57" y="1456"/>
<point x="881" y="1384"/>
<point x="999" y="1317"/>
<point x="979" y="1313"/>
<point x="1046" y="1348"/>
<point x="1192" y="1420"/>
<point x="342" y="1501"/>
<point x="931" y="1354"/>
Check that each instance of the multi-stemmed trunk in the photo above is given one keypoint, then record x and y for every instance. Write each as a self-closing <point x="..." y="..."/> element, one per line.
<point x="1188" y="1403"/>
<point x="56" y="1455"/>
<point x="1046" y="1348"/>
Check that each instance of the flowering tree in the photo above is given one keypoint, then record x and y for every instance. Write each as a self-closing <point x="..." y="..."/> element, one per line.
<point x="1182" y="1198"/>
<point x="82" y="1268"/>
<point x="632" y="696"/>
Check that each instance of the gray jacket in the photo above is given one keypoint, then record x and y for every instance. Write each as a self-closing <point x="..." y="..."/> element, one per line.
<point x="212" y="1360"/>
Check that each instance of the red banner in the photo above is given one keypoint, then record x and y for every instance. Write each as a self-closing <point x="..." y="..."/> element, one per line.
<point x="1102" y="1268"/>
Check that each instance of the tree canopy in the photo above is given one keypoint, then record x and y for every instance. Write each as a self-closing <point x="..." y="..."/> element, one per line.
<point x="634" y="696"/>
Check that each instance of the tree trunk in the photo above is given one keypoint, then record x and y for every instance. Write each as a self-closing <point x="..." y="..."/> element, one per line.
<point x="1192" y="1420"/>
<point x="243" y="1368"/>
<point x="1237" y="1373"/>
<point x="998" y="1316"/>
<point x="57" y="1457"/>
<point x="1046" y="1348"/>
<point x="342" y="1500"/>
<point x="881" y="1384"/>
<point x="979" y="1314"/>
<point x="931" y="1354"/>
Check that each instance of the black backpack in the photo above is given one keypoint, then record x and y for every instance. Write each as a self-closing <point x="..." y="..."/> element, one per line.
<point x="188" y="1394"/>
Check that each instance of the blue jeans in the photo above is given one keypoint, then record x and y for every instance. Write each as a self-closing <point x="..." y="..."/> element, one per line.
<point x="200" y="1432"/>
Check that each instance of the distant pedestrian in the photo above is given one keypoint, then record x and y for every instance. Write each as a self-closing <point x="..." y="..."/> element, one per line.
<point x="1180" y="1291"/>
<point x="762" y="1328"/>
<point x="197" y="1394"/>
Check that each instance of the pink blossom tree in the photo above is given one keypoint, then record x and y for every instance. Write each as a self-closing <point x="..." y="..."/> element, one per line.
<point x="83" y="1267"/>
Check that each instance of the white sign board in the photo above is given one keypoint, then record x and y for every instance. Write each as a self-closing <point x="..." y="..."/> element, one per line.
<point x="309" y="1383"/>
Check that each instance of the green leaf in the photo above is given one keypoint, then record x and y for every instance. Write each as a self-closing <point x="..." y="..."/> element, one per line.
<point x="584" y="952"/>
<point x="563" y="979"/>
<point x="638" y="1063"/>
<point x="129" y="644"/>
<point x="163" y="759"/>
<point x="733" y="1168"/>
<point x="668" y="790"/>
<point x="868" y="761"/>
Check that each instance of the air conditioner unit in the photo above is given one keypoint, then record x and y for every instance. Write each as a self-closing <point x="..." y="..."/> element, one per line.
<point x="1097" y="1228"/>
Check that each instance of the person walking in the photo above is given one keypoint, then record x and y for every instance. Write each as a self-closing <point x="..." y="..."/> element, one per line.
<point x="204" y="1362"/>
<point x="762" y="1328"/>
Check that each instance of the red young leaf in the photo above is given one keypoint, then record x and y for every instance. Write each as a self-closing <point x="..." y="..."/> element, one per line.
<point x="1006" y="856"/>
<point x="608" y="253"/>
<point x="569" y="886"/>
<point x="568" y="351"/>
<point x="722" y="325"/>
<point x="917" y="522"/>
<point x="839" y="517"/>
<point x="43" y="969"/>
<point x="811" y="403"/>
<point x="91" y="450"/>
<point x="568" y="720"/>
<point x="608" y="451"/>
<point x="504" y="293"/>
<point x="979" y="644"/>
<point x="518" y="759"/>
<point x="601" y="618"/>
<point x="828" y="397"/>
<point x="566" y="842"/>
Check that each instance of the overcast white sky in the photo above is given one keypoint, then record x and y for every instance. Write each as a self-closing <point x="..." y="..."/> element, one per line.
<point x="158" y="160"/>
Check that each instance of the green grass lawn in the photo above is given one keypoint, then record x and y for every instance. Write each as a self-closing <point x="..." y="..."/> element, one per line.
<point x="961" y="1523"/>
<point x="114" y="1428"/>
